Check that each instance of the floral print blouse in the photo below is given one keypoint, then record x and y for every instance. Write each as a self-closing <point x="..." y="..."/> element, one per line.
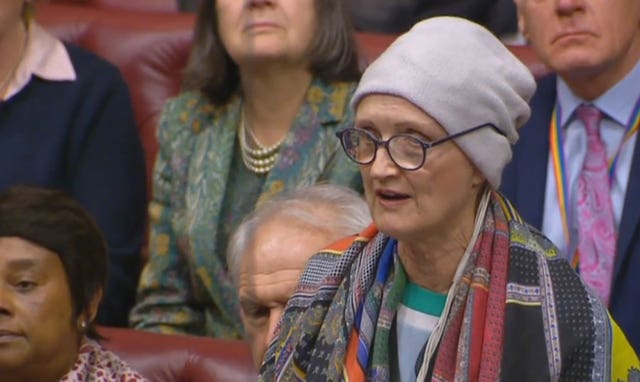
<point x="95" y="364"/>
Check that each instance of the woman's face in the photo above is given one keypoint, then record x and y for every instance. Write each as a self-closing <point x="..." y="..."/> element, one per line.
<point x="410" y="204"/>
<point x="38" y="334"/>
<point x="267" y="30"/>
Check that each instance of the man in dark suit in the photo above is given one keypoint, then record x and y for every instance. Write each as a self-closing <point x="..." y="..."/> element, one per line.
<point x="594" y="47"/>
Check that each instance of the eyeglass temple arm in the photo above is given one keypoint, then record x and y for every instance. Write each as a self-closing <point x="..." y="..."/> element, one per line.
<point x="464" y="132"/>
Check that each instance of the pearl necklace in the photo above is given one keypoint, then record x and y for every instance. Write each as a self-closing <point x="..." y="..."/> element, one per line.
<point x="260" y="159"/>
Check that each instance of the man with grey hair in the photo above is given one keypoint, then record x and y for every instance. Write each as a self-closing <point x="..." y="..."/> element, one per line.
<point x="269" y="250"/>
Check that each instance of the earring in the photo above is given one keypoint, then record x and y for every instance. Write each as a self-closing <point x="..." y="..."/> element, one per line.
<point x="83" y="324"/>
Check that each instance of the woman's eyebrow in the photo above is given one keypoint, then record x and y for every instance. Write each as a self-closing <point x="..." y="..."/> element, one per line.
<point x="22" y="264"/>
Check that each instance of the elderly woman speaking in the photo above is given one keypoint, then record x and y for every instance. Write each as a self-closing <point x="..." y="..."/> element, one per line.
<point x="449" y="283"/>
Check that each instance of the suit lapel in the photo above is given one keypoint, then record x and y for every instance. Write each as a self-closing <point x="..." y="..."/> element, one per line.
<point x="532" y="155"/>
<point x="209" y="171"/>
<point x="630" y="222"/>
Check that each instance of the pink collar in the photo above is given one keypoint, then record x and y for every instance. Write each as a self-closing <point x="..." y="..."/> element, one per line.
<point x="45" y="57"/>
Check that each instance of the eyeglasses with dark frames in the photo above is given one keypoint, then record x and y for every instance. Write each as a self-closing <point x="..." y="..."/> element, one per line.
<point x="405" y="150"/>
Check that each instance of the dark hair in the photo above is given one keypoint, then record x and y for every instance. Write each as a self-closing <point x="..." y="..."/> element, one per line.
<point x="54" y="221"/>
<point x="333" y="55"/>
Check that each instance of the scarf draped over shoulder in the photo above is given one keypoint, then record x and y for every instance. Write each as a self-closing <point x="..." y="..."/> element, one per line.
<point x="518" y="312"/>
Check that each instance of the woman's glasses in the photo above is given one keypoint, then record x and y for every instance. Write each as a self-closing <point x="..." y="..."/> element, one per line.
<point x="406" y="151"/>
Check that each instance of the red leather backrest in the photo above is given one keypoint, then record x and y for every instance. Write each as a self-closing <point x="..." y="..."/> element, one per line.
<point x="131" y="5"/>
<point x="371" y="45"/>
<point x="172" y="358"/>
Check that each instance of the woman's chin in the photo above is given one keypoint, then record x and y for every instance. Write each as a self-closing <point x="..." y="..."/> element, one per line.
<point x="12" y="358"/>
<point x="393" y="227"/>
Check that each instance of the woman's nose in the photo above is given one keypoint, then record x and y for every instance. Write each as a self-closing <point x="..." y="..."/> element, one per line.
<point x="382" y="164"/>
<point x="6" y="304"/>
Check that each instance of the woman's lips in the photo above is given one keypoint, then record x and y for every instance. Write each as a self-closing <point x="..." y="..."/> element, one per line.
<point x="256" y="25"/>
<point x="9" y="336"/>
<point x="391" y="197"/>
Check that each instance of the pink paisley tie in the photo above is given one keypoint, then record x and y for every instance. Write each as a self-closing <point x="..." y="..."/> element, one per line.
<point x="596" y="225"/>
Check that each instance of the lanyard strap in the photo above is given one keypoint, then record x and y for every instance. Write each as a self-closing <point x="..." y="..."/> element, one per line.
<point x="556" y="139"/>
<point x="632" y="127"/>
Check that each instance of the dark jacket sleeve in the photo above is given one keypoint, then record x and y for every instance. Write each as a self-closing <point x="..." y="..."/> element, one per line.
<point x="106" y="174"/>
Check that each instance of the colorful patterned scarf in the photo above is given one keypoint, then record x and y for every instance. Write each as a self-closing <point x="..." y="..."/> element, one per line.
<point x="517" y="313"/>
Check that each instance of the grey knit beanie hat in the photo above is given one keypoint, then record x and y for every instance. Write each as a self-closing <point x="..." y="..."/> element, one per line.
<point x="462" y="76"/>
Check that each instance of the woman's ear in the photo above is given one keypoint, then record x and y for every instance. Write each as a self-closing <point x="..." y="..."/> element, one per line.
<point x="93" y="306"/>
<point x="478" y="179"/>
<point x="92" y="310"/>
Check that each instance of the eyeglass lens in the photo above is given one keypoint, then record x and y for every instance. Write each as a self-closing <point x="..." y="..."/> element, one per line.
<point x="406" y="151"/>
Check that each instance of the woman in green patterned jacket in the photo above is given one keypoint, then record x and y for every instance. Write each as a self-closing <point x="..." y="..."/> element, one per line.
<point x="266" y="88"/>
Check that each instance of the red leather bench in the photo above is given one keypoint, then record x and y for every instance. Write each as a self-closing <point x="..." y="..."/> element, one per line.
<point x="174" y="358"/>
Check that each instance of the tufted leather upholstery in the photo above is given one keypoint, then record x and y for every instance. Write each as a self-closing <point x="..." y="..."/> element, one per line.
<point x="173" y="358"/>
